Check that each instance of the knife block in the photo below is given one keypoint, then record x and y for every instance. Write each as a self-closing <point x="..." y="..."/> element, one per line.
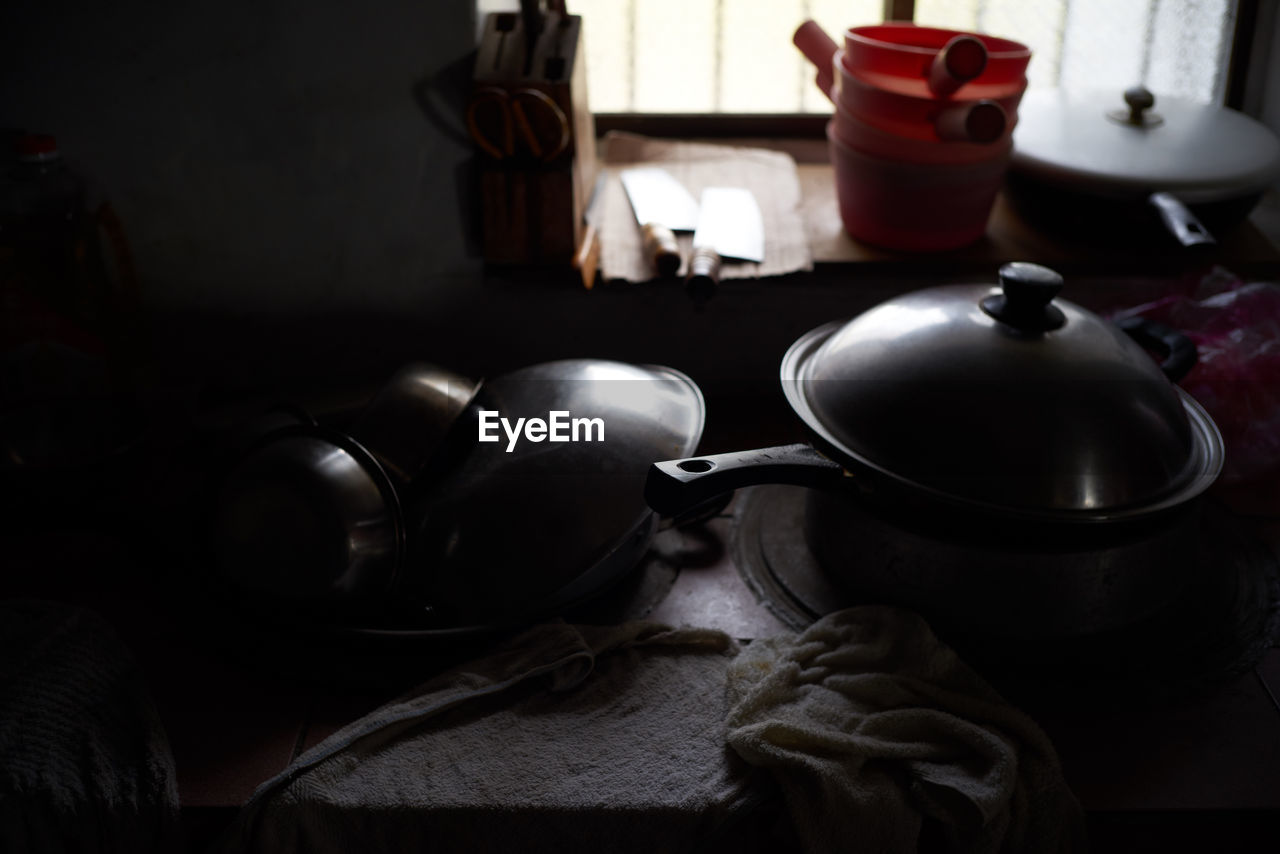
<point x="532" y="206"/>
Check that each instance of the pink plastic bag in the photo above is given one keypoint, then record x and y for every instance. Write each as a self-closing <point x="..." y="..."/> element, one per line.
<point x="1236" y="329"/>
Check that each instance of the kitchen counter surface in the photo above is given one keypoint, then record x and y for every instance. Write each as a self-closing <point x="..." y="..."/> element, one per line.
<point x="239" y="706"/>
<point x="1017" y="232"/>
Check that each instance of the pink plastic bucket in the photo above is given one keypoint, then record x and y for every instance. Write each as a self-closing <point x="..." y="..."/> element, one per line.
<point x="911" y="206"/>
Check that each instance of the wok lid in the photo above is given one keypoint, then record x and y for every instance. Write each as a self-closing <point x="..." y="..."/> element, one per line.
<point x="1133" y="144"/>
<point x="1004" y="398"/>
<point x="511" y="531"/>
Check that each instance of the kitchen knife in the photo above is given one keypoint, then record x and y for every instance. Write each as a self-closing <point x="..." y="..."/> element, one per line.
<point x="729" y="227"/>
<point x="587" y="259"/>
<point x="531" y="12"/>
<point x="662" y="207"/>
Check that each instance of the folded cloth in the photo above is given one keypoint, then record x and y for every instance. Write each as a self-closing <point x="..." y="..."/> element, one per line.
<point x="883" y="740"/>
<point x="565" y="739"/>
<point x="84" y="762"/>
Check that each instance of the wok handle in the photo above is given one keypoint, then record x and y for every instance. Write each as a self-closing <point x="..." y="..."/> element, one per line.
<point x="1180" y="221"/>
<point x="1179" y="351"/>
<point x="676" y="486"/>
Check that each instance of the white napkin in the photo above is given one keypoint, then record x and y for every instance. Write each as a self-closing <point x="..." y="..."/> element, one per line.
<point x="881" y="738"/>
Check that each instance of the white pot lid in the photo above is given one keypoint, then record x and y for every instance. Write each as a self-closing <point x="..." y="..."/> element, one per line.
<point x="1134" y="144"/>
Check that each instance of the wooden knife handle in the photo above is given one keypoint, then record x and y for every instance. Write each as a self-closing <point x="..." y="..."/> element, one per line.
<point x="661" y="248"/>
<point x="587" y="259"/>
<point x="704" y="272"/>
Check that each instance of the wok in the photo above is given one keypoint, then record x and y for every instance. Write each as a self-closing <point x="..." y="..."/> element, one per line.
<point x="993" y="456"/>
<point x="1089" y="161"/>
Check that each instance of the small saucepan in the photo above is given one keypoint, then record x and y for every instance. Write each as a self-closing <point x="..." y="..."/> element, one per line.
<point x="310" y="517"/>
<point x="998" y="458"/>
<point x="306" y="515"/>
<point x="406" y="422"/>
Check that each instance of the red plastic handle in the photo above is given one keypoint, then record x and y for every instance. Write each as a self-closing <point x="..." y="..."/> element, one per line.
<point x="819" y="49"/>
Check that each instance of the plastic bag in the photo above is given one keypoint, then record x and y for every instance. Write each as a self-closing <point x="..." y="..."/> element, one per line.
<point x="1236" y="329"/>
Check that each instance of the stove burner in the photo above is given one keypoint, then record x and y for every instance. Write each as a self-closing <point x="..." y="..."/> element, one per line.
<point x="1219" y="627"/>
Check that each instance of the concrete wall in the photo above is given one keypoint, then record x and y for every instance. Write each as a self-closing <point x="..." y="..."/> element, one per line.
<point x="294" y="187"/>
<point x="265" y="155"/>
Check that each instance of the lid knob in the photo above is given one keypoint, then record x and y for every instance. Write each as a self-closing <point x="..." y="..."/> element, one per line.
<point x="1139" y="99"/>
<point x="1026" y="300"/>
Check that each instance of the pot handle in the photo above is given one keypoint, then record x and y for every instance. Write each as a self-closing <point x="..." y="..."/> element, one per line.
<point x="819" y="49"/>
<point x="982" y="122"/>
<point x="676" y="486"/>
<point x="1180" y="221"/>
<point x="1179" y="351"/>
<point x="960" y="60"/>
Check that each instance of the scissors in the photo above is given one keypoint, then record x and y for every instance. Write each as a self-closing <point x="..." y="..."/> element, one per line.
<point x="498" y="119"/>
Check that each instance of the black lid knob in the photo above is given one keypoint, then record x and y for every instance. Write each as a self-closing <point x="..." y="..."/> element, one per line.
<point x="1026" y="301"/>
<point x="1139" y="99"/>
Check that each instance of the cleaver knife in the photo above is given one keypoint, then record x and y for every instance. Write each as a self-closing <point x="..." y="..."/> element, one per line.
<point x="729" y="227"/>
<point x="662" y="206"/>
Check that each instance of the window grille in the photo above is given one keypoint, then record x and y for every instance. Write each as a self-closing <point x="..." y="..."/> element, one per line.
<point x="736" y="56"/>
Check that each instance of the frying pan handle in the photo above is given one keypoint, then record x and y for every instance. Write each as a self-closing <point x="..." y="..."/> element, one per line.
<point x="1180" y="221"/>
<point x="1179" y="351"/>
<point x="676" y="486"/>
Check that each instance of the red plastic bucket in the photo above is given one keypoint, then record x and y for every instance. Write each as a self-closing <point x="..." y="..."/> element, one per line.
<point x="924" y="117"/>
<point x="901" y="56"/>
<point x="912" y="206"/>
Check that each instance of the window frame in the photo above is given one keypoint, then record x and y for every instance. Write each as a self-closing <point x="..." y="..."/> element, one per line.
<point x="792" y="125"/>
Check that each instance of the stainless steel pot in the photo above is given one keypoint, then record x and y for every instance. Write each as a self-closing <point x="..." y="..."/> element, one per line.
<point x="313" y="521"/>
<point x="990" y="455"/>
<point x="1095" y="158"/>
<point x="307" y="516"/>
<point x="407" y="421"/>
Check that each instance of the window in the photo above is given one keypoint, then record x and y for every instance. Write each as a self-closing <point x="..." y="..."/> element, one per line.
<point x="736" y="56"/>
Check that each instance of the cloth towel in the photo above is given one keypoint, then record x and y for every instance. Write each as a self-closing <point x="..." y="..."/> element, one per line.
<point x="85" y="764"/>
<point x="564" y="739"/>
<point x="883" y="740"/>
